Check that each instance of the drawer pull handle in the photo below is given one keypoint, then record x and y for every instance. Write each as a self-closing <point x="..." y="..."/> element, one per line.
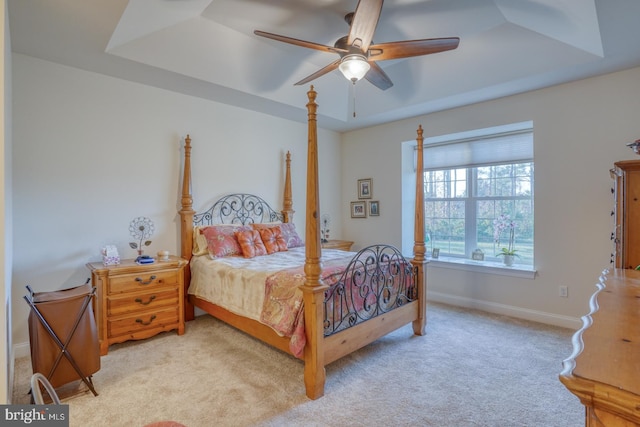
<point x="142" y="282"/>
<point x="146" y="323"/>
<point x="151" y="298"/>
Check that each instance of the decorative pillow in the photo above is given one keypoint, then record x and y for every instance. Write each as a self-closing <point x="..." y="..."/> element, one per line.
<point x="288" y="230"/>
<point x="273" y="240"/>
<point x="251" y="243"/>
<point x="199" y="242"/>
<point x="290" y="235"/>
<point x="262" y="225"/>
<point x="222" y="241"/>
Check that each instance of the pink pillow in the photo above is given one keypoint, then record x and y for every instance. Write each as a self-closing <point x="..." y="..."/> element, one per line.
<point x="251" y="243"/>
<point x="272" y="239"/>
<point x="288" y="230"/>
<point x="222" y="241"/>
<point x="290" y="235"/>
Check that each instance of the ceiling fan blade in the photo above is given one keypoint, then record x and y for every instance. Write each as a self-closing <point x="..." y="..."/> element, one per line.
<point x="364" y="23"/>
<point x="320" y="72"/>
<point x="408" y="48"/>
<point x="377" y="77"/>
<point x="298" y="42"/>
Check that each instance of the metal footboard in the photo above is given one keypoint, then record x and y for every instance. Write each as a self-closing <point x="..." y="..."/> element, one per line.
<point x="377" y="280"/>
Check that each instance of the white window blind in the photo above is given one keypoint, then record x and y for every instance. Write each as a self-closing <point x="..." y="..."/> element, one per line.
<point x="491" y="146"/>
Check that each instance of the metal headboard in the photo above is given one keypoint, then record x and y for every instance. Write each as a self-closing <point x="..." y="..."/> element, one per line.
<point x="238" y="208"/>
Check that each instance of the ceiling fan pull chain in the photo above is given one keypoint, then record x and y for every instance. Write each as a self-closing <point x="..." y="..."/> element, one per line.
<point x="354" y="99"/>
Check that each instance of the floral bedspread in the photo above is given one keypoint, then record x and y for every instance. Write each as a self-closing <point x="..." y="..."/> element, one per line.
<point x="283" y="308"/>
<point x="238" y="284"/>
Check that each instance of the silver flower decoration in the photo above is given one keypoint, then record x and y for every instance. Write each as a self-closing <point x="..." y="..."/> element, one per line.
<point x="325" y="221"/>
<point x="141" y="228"/>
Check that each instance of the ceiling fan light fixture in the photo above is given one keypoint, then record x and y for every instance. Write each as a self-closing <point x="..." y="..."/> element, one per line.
<point x="354" y="67"/>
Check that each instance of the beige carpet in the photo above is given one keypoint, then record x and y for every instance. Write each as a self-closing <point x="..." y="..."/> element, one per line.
<point x="470" y="369"/>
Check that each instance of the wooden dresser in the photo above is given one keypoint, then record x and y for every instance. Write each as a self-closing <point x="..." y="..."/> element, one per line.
<point x="626" y="234"/>
<point x="604" y="369"/>
<point x="344" y="245"/>
<point x="138" y="301"/>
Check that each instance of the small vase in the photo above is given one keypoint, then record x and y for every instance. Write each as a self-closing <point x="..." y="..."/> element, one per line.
<point x="508" y="260"/>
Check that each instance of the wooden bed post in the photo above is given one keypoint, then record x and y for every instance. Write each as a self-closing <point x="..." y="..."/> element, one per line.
<point x="313" y="289"/>
<point x="186" y="225"/>
<point x="287" y="204"/>
<point x="419" y="260"/>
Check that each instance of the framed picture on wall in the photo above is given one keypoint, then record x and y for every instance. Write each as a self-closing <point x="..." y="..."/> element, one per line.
<point x="358" y="209"/>
<point x="374" y="208"/>
<point x="365" y="188"/>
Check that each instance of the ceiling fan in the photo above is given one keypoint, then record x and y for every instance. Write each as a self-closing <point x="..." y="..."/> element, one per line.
<point x="358" y="55"/>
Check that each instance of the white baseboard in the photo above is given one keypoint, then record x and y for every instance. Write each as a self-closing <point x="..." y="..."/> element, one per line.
<point x="18" y="351"/>
<point x="507" y="310"/>
<point x="21" y="350"/>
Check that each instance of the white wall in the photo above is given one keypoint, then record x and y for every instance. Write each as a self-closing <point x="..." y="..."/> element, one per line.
<point x="93" y="152"/>
<point x="580" y="130"/>
<point x="6" y="359"/>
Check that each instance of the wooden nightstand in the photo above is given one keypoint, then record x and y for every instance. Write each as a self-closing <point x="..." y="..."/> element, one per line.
<point x="344" y="245"/>
<point x="135" y="301"/>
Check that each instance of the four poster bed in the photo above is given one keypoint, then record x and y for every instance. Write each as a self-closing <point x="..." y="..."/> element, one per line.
<point x="328" y="305"/>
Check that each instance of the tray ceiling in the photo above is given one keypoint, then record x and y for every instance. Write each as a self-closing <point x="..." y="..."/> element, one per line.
<point x="207" y="48"/>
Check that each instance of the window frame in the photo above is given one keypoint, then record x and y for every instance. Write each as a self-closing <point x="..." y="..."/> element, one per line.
<point x="472" y="198"/>
<point x="471" y="210"/>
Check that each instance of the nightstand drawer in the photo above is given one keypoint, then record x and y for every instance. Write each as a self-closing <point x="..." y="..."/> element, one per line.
<point x="133" y="303"/>
<point x="162" y="319"/>
<point x="141" y="280"/>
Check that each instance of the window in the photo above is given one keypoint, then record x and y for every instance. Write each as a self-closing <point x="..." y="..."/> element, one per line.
<point x="470" y="180"/>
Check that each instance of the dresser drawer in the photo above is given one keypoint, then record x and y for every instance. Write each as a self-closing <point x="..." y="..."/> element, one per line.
<point x="142" y="280"/>
<point x="162" y="318"/>
<point x="133" y="303"/>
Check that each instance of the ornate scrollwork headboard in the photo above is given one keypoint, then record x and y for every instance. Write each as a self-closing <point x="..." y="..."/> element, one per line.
<point x="238" y="208"/>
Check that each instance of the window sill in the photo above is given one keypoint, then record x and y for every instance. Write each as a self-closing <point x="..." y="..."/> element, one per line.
<point x="489" y="267"/>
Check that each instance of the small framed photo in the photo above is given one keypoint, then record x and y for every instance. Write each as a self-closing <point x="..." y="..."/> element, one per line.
<point x="365" y="188"/>
<point x="435" y="253"/>
<point x="477" y="255"/>
<point x="374" y="208"/>
<point x="358" y="209"/>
